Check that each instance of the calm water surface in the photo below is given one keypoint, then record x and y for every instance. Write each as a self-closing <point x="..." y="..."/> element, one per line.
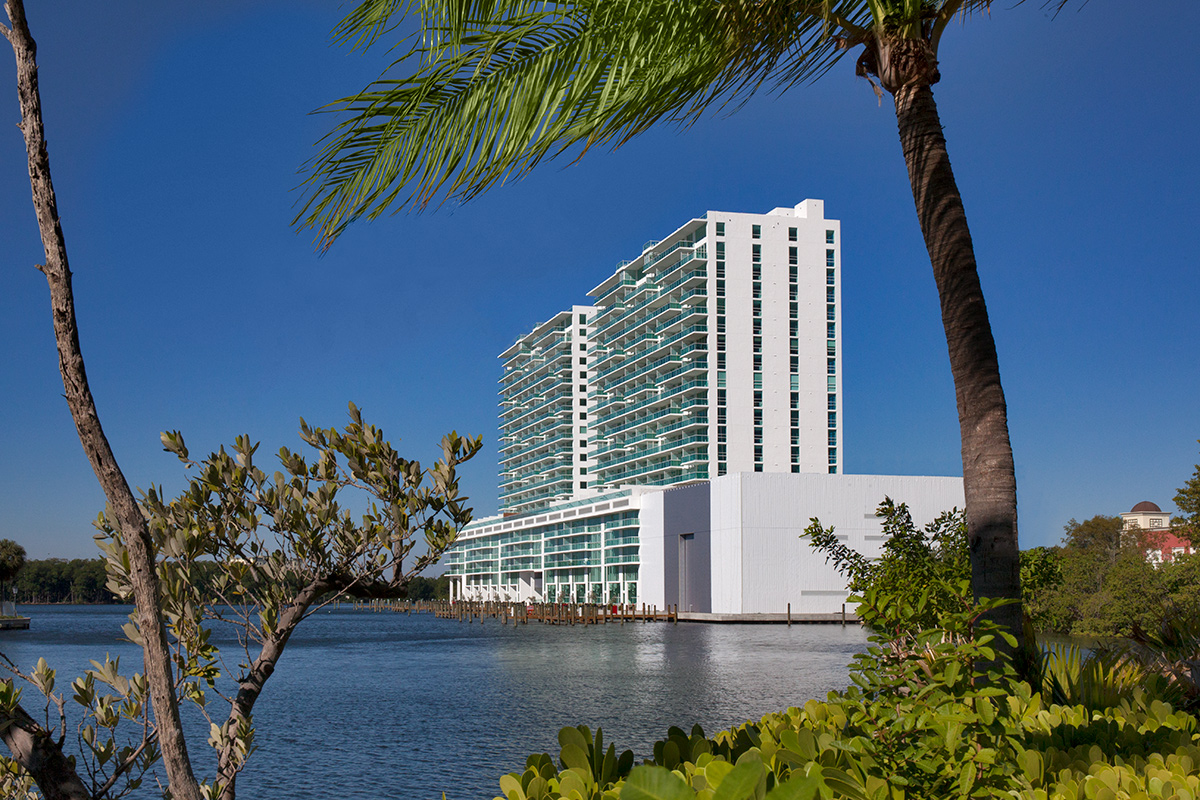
<point x="367" y="705"/>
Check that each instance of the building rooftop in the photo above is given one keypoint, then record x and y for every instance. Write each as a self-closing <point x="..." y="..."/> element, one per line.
<point x="1146" y="506"/>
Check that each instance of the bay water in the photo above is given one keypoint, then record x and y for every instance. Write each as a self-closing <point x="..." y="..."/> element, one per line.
<point x="369" y="705"/>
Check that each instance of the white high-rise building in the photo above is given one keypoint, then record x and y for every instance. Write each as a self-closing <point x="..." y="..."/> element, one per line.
<point x="716" y="351"/>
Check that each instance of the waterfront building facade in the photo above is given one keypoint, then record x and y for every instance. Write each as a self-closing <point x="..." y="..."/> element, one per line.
<point x="711" y="360"/>
<point x="543" y="410"/>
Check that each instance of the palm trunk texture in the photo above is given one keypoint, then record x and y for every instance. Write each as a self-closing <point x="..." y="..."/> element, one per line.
<point x="87" y="421"/>
<point x="989" y="479"/>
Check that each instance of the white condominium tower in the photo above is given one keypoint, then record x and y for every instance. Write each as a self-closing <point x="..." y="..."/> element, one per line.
<point x="668" y="443"/>
<point x="716" y="350"/>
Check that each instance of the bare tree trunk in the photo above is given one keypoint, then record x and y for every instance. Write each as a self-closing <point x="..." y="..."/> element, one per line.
<point x="989" y="479"/>
<point x="252" y="683"/>
<point x="87" y="422"/>
<point x="40" y="756"/>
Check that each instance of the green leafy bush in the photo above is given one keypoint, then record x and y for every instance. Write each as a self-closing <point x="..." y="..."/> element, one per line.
<point x="931" y="713"/>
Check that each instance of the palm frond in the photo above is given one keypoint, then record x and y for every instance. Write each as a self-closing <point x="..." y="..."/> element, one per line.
<point x="494" y="87"/>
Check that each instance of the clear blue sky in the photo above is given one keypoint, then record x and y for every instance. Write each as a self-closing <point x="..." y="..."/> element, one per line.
<point x="176" y="131"/>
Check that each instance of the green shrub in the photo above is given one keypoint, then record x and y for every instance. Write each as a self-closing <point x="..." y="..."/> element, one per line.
<point x="936" y="713"/>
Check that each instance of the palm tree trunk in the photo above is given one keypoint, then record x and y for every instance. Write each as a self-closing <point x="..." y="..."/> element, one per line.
<point x="87" y="420"/>
<point x="989" y="480"/>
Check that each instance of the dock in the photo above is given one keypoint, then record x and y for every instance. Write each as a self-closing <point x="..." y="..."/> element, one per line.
<point x="507" y="612"/>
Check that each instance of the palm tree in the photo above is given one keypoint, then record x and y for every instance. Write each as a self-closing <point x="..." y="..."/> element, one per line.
<point x="487" y="90"/>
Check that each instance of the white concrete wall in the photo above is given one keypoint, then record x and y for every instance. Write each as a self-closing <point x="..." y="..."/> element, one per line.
<point x="778" y="567"/>
<point x="651" y="567"/>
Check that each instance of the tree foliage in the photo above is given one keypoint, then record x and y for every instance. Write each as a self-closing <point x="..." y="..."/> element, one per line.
<point x="260" y="551"/>
<point x="930" y="561"/>
<point x="12" y="559"/>
<point x="1187" y="500"/>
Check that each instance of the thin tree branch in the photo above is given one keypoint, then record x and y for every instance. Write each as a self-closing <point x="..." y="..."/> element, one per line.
<point x="82" y="405"/>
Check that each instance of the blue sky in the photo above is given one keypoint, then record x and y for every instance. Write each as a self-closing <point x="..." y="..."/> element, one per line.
<point x="176" y="132"/>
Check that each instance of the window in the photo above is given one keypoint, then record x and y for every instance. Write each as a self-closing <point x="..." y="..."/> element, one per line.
<point x="583" y="319"/>
<point x="795" y="383"/>
<point x="721" y="434"/>
<point x="829" y="258"/>
<point x="830" y="312"/>
<point x="795" y="364"/>
<point x="831" y="366"/>
<point x="830" y="330"/>
<point x="583" y="415"/>
<point x="1155" y="523"/>
<point x="583" y="376"/>
<point x="795" y="419"/>
<point x="829" y="277"/>
<point x="721" y="342"/>
<point x="829" y="295"/>
<point x="720" y="361"/>
<point x="720" y="305"/>
<point x="831" y="347"/>
<point x="795" y="454"/>
<point x="758" y="452"/>
<point x="757" y="344"/>
<point x="758" y="399"/>
<point x="720" y="288"/>
<point x="721" y="229"/>
<point x="833" y="402"/>
<point x="791" y="234"/>
<point x="720" y="249"/>
<point x="583" y="429"/>
<point x="582" y="388"/>
<point x="831" y="383"/>
<point x="833" y="455"/>
<point x="833" y="419"/>
<point x="758" y="362"/>
<point x="757" y="325"/>
<point x="583" y="470"/>
<point x="793" y="274"/>
<point x="756" y="231"/>
<point x="796" y="394"/>
<point x="794" y="348"/>
<point x="583" y="361"/>
<point x="721" y="379"/>
<point x="720" y="269"/>
<point x="832" y="470"/>
<point x="582" y="346"/>
<point x="758" y="436"/>
<point x="583" y="401"/>
<point x="794" y="328"/>
<point x="832" y="437"/>
<point x="793" y="309"/>
<point x="720" y="324"/>
<point x="795" y="467"/>
<point x="757" y="379"/>
<point x="583" y="484"/>
<point x="793" y="292"/>
<point x="828" y="237"/>
<point x="583" y="442"/>
<point x="756" y="253"/>
<point x="721" y="397"/>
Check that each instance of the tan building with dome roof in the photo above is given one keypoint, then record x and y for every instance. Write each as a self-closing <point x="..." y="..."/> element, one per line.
<point x="1161" y="543"/>
<point x="1147" y="516"/>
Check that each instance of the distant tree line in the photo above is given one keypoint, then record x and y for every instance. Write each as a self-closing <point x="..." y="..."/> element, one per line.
<point x="1105" y="584"/>
<point x="82" y="580"/>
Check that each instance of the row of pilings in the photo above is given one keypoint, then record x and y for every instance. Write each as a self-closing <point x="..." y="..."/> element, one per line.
<point x="524" y="613"/>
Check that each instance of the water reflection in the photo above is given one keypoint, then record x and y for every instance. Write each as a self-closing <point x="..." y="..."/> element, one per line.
<point x="369" y="706"/>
